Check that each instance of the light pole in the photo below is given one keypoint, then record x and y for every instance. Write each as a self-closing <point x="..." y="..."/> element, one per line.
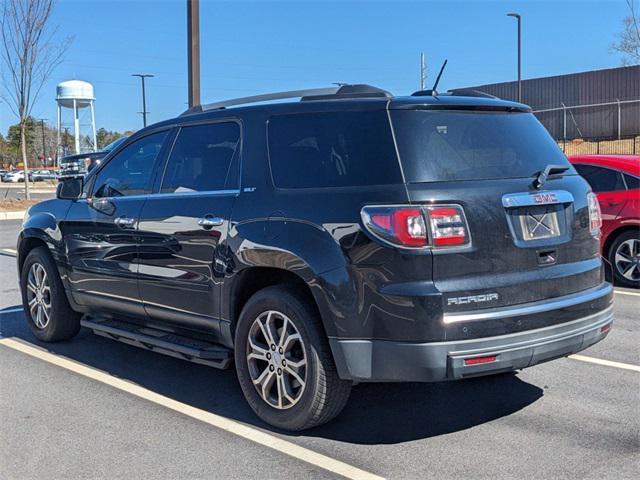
<point x="519" y="19"/>
<point x="193" y="51"/>
<point x="144" y="97"/>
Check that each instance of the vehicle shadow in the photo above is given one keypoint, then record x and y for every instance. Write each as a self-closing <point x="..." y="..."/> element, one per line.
<point x="376" y="413"/>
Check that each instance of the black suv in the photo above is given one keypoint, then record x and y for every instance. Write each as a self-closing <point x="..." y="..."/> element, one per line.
<point x="350" y="236"/>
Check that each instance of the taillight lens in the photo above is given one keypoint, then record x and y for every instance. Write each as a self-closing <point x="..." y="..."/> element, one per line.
<point x="404" y="226"/>
<point x="416" y="227"/>
<point x="448" y="225"/>
<point x="595" y="217"/>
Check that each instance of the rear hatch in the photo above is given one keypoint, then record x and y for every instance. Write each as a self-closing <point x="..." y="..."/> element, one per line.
<point x="526" y="244"/>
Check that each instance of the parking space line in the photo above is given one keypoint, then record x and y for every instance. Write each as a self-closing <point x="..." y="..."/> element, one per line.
<point x="241" y="430"/>
<point x="607" y="363"/>
<point x="623" y="292"/>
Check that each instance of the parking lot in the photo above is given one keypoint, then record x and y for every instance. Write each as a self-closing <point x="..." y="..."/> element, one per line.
<point x="94" y="408"/>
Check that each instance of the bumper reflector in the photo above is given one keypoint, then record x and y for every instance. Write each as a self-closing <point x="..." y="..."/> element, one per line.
<point x="605" y="328"/>
<point x="478" y="360"/>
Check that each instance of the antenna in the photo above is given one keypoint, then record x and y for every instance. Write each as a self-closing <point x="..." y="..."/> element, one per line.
<point x="434" y="92"/>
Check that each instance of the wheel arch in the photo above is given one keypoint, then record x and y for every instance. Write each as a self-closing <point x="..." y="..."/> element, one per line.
<point x="611" y="238"/>
<point x="26" y="245"/>
<point x="250" y="280"/>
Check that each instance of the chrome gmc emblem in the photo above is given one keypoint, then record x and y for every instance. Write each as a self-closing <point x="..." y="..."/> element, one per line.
<point x="545" y="198"/>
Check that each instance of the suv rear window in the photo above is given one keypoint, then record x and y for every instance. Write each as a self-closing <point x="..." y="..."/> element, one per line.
<point x="337" y="149"/>
<point x="450" y="145"/>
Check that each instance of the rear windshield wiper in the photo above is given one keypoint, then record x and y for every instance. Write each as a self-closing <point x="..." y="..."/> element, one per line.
<point x="549" y="170"/>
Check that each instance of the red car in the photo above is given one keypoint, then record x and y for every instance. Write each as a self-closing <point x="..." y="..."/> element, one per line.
<point x="615" y="179"/>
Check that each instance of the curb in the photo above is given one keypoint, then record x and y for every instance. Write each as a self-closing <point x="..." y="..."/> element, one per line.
<point x="12" y="215"/>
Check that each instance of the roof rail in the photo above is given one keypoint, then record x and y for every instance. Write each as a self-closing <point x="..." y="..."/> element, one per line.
<point x="328" y="93"/>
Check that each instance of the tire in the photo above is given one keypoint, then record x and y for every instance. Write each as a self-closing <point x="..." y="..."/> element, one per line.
<point x="323" y="395"/>
<point x="624" y="254"/>
<point x="58" y="321"/>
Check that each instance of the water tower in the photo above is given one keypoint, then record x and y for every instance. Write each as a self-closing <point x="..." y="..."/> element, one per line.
<point x="77" y="96"/>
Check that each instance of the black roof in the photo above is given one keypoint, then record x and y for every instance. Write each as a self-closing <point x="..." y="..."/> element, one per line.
<point x="343" y="97"/>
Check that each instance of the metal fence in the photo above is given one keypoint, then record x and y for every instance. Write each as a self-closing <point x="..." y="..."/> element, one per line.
<point x="579" y="129"/>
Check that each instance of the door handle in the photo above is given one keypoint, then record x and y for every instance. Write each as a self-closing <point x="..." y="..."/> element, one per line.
<point x="209" y="222"/>
<point x="124" y="222"/>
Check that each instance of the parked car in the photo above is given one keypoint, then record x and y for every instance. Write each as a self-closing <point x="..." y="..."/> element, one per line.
<point x="80" y="164"/>
<point x="351" y="236"/>
<point x="14" y="176"/>
<point x="43" y="175"/>
<point x="616" y="181"/>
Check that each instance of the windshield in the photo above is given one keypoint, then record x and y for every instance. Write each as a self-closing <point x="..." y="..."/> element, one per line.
<point x="114" y="144"/>
<point x="470" y="145"/>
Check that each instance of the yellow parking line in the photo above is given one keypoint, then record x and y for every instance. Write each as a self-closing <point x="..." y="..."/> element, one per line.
<point x="607" y="363"/>
<point x="623" y="292"/>
<point x="257" y="436"/>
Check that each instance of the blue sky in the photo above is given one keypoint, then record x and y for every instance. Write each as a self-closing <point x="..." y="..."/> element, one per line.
<point x="256" y="47"/>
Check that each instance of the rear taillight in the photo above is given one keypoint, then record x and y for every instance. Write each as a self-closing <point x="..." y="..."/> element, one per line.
<point x="418" y="227"/>
<point x="448" y="225"/>
<point x="595" y="217"/>
<point x="403" y="226"/>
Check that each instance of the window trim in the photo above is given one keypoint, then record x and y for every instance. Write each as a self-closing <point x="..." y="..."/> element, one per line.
<point x="157" y="188"/>
<point x="624" y="179"/>
<point x="159" y="159"/>
<point x="619" y="172"/>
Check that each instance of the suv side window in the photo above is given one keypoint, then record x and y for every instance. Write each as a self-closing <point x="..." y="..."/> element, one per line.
<point x="601" y="179"/>
<point x="202" y="159"/>
<point x="130" y="171"/>
<point x="337" y="149"/>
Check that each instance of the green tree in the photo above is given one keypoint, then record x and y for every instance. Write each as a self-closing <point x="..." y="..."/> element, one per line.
<point x="104" y="137"/>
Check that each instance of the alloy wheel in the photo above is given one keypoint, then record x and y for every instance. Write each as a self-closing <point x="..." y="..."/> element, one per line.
<point x="627" y="259"/>
<point x="277" y="359"/>
<point x="39" y="295"/>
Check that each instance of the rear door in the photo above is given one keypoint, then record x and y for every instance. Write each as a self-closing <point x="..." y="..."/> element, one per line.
<point x="527" y="244"/>
<point x="183" y="227"/>
<point x="100" y="231"/>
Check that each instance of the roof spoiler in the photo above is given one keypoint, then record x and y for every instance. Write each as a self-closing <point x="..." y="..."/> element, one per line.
<point x="458" y="92"/>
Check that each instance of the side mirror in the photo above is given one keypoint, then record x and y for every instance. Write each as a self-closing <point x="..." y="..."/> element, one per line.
<point x="69" y="188"/>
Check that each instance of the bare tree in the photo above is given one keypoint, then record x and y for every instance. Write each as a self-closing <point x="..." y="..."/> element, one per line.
<point x="30" y="54"/>
<point x="628" y="43"/>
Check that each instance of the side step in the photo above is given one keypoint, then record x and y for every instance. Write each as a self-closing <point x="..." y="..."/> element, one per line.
<point x="196" y="351"/>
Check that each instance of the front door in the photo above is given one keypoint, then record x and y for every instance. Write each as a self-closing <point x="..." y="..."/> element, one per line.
<point x="100" y="231"/>
<point x="183" y="228"/>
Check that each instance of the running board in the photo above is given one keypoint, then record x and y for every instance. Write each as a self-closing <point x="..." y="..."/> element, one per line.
<point x="167" y="343"/>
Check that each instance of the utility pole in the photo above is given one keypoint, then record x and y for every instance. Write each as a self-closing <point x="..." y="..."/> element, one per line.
<point x="423" y="72"/>
<point x="193" y="51"/>
<point x="144" y="97"/>
<point x="44" y="150"/>
<point x="519" y="19"/>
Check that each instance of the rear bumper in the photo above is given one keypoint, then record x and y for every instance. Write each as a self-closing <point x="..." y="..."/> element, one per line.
<point x="388" y="361"/>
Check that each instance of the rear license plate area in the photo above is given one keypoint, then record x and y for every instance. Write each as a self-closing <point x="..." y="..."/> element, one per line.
<point x="539" y="222"/>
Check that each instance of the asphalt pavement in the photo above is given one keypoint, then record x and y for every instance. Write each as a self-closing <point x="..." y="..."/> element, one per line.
<point x="95" y="408"/>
